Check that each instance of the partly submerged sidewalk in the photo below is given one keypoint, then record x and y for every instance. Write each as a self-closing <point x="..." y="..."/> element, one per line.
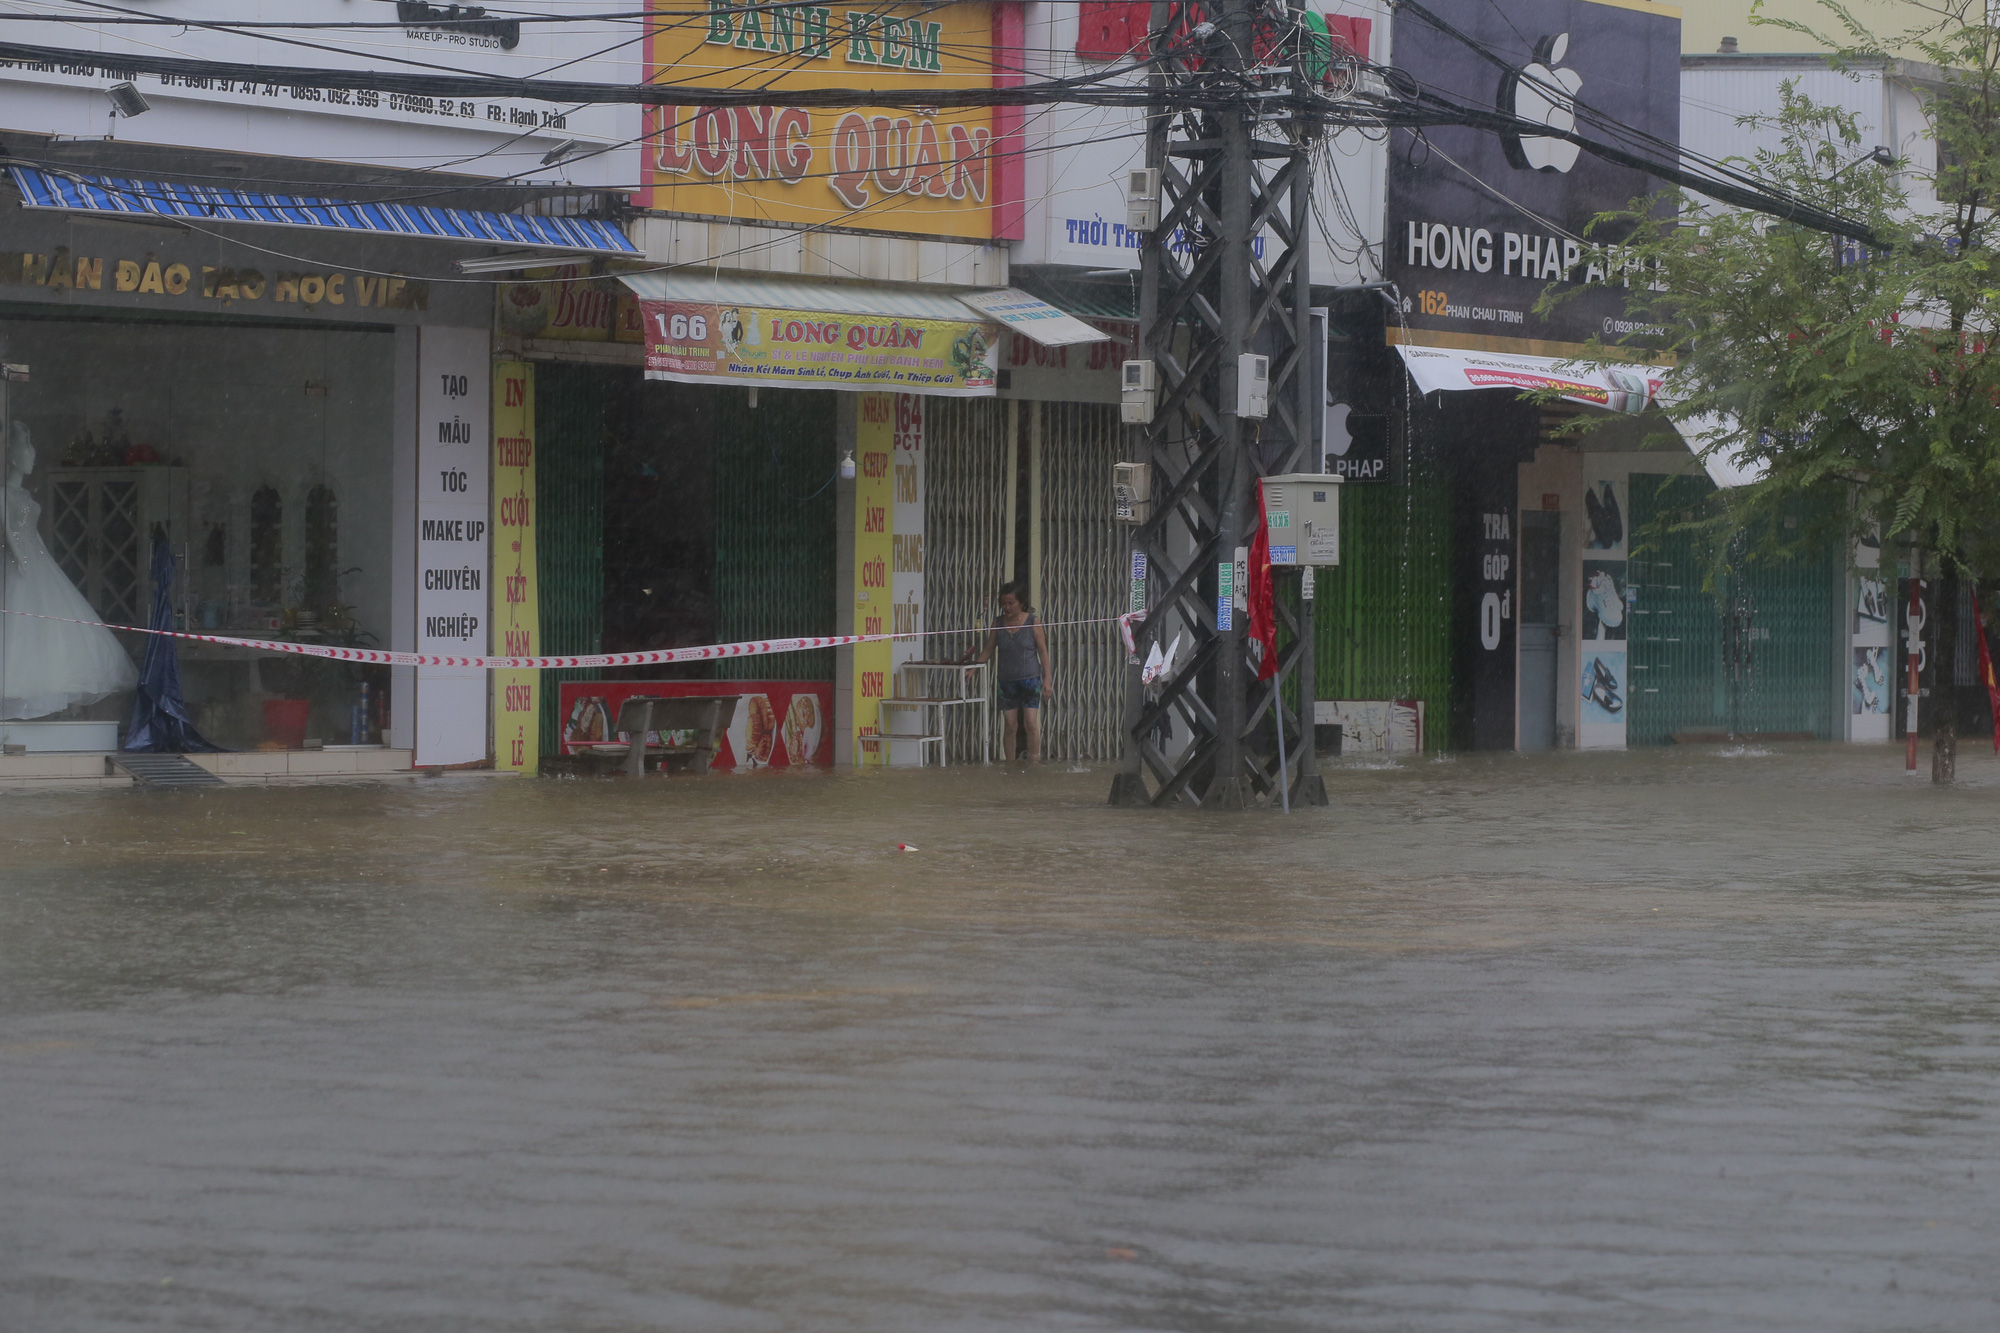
<point x="336" y="763"/>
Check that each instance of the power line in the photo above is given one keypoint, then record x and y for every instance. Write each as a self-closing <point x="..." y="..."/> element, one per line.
<point x="1416" y="107"/>
<point x="1084" y="90"/>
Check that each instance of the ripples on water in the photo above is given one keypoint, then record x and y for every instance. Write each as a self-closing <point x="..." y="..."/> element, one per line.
<point x="1670" y="1040"/>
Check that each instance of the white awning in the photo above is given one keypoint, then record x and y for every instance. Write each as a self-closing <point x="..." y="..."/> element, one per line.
<point x="1615" y="388"/>
<point x="1008" y="306"/>
<point x="833" y="298"/>
<point x="1034" y="318"/>
<point x="1724" y="469"/>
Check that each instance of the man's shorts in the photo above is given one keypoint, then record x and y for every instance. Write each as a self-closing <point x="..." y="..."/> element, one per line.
<point x="1020" y="694"/>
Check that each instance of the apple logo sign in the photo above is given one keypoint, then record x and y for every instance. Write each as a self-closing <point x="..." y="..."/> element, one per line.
<point x="1334" y="434"/>
<point x="1544" y="93"/>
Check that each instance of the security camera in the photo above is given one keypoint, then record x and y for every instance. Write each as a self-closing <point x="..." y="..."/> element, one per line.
<point x="127" y="100"/>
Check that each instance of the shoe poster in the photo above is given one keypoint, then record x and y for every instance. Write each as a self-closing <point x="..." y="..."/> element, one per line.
<point x="1604" y="512"/>
<point x="1606" y="602"/>
<point x="1603" y="705"/>
<point x="1871" y="682"/>
<point x="1605" y="614"/>
<point x="1876" y="668"/>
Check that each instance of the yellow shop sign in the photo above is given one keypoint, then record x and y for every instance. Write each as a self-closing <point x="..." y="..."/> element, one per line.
<point x="60" y="270"/>
<point x="930" y="171"/>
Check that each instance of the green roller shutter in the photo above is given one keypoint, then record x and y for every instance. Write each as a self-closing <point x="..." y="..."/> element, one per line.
<point x="1382" y="616"/>
<point x="569" y="535"/>
<point x="1757" y="654"/>
<point x="776" y="522"/>
<point x="1676" y="633"/>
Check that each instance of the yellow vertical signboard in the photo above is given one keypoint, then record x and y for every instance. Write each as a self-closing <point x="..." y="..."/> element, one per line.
<point x="874" y="548"/>
<point x="517" y="616"/>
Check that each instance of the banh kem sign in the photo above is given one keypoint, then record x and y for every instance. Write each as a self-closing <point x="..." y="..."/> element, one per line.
<point x="1471" y="266"/>
<point x="927" y="171"/>
<point x="516" y="607"/>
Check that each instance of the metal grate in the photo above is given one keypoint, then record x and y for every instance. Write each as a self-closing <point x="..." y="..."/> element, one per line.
<point x="967" y="472"/>
<point x="1763" y="656"/>
<point x="161" y="770"/>
<point x="1676" y="681"/>
<point x="94" y="528"/>
<point x="1083" y="577"/>
<point x="569" y="533"/>
<point x="776" y="524"/>
<point x="69" y="531"/>
<point x="1382" y="618"/>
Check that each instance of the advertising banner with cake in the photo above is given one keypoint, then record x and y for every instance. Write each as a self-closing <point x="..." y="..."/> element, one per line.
<point x="778" y="723"/>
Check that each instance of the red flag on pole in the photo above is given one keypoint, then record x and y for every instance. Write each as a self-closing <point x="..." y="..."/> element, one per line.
<point x="1986" y="665"/>
<point x="1263" y="612"/>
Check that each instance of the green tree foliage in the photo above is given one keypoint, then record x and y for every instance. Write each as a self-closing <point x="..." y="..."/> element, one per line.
<point x="1837" y="366"/>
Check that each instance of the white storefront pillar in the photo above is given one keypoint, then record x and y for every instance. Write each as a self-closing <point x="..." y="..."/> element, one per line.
<point x="453" y="467"/>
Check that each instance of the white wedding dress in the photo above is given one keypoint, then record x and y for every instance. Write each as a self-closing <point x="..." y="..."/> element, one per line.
<point x="46" y="665"/>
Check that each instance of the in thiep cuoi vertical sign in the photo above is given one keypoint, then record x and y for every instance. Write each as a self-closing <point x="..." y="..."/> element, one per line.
<point x="454" y="535"/>
<point x="516" y="600"/>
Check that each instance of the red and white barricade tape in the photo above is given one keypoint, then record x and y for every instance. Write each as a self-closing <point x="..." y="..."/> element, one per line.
<point x="382" y="657"/>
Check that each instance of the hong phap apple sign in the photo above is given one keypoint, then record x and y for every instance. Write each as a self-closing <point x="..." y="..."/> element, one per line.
<point x="1481" y="224"/>
<point x="1544" y="92"/>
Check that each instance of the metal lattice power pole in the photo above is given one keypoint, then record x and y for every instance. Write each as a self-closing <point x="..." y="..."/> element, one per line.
<point x="1226" y="272"/>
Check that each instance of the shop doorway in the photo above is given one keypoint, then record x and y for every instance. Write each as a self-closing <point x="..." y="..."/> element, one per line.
<point x="1753" y="653"/>
<point x="1541" y="604"/>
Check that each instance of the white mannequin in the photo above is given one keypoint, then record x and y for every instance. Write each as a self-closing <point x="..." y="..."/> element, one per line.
<point x="46" y="665"/>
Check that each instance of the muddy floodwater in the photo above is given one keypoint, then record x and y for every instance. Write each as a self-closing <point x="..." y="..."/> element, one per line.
<point x="1673" y="1040"/>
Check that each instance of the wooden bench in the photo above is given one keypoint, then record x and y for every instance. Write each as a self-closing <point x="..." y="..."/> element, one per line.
<point x="708" y="716"/>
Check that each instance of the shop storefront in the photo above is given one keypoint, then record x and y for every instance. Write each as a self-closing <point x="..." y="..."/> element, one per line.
<point x="801" y="404"/>
<point x="1509" y="584"/>
<point x="312" y="441"/>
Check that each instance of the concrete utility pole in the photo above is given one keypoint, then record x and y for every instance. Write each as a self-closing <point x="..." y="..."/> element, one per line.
<point x="1236" y="170"/>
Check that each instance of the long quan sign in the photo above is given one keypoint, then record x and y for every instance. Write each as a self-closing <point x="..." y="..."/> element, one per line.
<point x="932" y="172"/>
<point x="699" y="342"/>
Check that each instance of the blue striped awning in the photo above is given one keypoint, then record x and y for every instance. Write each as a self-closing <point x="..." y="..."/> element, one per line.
<point x="84" y="192"/>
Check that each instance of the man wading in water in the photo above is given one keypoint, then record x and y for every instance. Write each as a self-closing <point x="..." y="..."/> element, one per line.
<point x="1024" y="671"/>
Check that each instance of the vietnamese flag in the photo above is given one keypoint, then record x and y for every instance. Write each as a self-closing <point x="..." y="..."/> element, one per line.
<point x="1263" y="611"/>
<point x="1986" y="666"/>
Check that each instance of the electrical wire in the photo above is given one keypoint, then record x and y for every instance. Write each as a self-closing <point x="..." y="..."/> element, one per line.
<point x="1411" y="105"/>
<point x="875" y="208"/>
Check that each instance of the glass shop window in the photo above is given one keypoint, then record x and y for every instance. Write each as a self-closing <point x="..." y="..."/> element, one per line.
<point x="322" y="583"/>
<point x="267" y="546"/>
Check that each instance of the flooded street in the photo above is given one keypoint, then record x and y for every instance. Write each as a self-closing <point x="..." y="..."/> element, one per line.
<point x="1670" y="1040"/>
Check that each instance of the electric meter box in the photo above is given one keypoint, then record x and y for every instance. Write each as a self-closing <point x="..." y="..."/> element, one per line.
<point x="1142" y="200"/>
<point x="1132" y="492"/>
<point x="1253" y="386"/>
<point x="1139" y="388"/>
<point x="1302" y="513"/>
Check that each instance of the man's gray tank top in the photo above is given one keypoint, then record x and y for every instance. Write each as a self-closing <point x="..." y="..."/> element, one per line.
<point x="1018" y="659"/>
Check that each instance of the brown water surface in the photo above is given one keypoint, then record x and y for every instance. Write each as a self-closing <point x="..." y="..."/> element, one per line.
<point x="1668" y="1040"/>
